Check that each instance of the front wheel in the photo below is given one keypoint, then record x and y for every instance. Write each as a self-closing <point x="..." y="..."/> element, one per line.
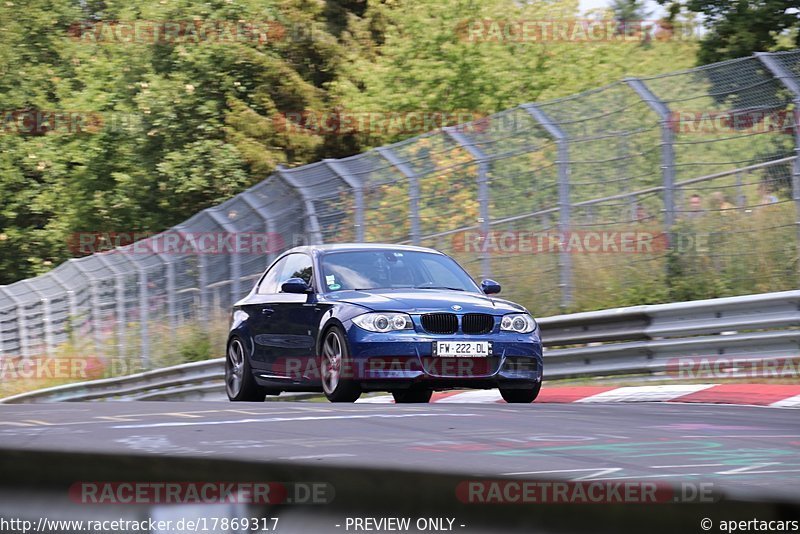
<point x="239" y="382"/>
<point x="403" y="396"/>
<point x="335" y="366"/>
<point x="521" y="396"/>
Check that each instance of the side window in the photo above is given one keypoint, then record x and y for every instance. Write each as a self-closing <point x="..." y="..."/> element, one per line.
<point x="296" y="266"/>
<point x="269" y="284"/>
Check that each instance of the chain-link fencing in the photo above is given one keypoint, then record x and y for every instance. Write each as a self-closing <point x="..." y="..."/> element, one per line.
<point x="671" y="187"/>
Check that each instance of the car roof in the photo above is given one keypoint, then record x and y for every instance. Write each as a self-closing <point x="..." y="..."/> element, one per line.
<point x="340" y="247"/>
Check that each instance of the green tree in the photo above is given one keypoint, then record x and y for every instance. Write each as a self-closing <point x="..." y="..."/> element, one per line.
<point x="737" y="28"/>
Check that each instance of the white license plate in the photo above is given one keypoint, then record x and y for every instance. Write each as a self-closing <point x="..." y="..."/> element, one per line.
<point x="462" y="349"/>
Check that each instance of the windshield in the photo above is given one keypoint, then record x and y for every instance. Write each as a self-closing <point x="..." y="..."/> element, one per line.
<point x="387" y="269"/>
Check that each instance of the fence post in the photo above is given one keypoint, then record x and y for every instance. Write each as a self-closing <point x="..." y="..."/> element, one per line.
<point x="119" y="297"/>
<point x="308" y="202"/>
<point x="47" y="318"/>
<point x="796" y="167"/>
<point x="483" y="190"/>
<point x="741" y="200"/>
<point x="413" y="190"/>
<point x="144" y="318"/>
<point x="94" y="306"/>
<point x="268" y="225"/>
<point x="791" y="82"/>
<point x="358" y="193"/>
<point x="144" y="307"/>
<point x="73" y="306"/>
<point x="21" y="324"/>
<point x="564" y="206"/>
<point x="667" y="150"/>
<point x="236" y="256"/>
<point x="2" y="339"/>
<point x="202" y="281"/>
<point x="172" y="312"/>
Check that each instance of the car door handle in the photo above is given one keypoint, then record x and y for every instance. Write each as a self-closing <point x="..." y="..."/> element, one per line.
<point x="267" y="311"/>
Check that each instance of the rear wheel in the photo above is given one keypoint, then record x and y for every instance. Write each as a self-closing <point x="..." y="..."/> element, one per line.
<point x="335" y="366"/>
<point x="239" y="382"/>
<point x="403" y="396"/>
<point x="521" y="396"/>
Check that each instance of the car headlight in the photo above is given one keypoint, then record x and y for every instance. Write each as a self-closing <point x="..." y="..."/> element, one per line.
<point x="384" y="322"/>
<point x="521" y="323"/>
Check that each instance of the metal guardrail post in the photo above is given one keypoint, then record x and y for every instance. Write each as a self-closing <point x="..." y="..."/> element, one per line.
<point x="667" y="150"/>
<point x="413" y="190"/>
<point x="358" y="193"/>
<point x="564" y="205"/>
<point x="791" y="82"/>
<point x="483" y="189"/>
<point x="311" y="212"/>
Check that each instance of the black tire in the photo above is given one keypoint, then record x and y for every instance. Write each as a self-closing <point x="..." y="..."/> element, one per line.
<point x="407" y="396"/>
<point x="239" y="382"/>
<point x="334" y="357"/>
<point x="521" y="396"/>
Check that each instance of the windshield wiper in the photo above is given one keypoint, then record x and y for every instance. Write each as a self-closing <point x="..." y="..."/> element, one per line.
<point x="440" y="287"/>
<point x="381" y="288"/>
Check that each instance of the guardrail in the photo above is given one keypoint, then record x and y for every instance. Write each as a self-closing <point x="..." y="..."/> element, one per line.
<point x="622" y="341"/>
<point x="651" y="339"/>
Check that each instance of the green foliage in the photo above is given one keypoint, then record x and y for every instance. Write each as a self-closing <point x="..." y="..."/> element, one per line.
<point x="160" y="130"/>
<point x="737" y="28"/>
<point x="429" y="61"/>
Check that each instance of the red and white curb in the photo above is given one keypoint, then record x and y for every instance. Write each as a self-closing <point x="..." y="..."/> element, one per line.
<point x="775" y="395"/>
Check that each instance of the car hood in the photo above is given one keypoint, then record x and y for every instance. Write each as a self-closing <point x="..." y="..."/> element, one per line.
<point x="426" y="300"/>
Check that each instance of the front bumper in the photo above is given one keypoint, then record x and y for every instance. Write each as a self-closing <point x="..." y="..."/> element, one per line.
<point x="404" y="359"/>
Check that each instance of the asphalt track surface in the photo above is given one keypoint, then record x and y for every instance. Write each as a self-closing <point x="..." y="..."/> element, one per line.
<point x="742" y="450"/>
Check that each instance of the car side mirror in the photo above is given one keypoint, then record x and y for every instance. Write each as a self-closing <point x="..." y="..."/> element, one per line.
<point x="295" y="285"/>
<point x="490" y="287"/>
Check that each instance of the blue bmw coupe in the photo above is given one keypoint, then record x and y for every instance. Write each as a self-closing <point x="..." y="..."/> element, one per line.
<point x="348" y="318"/>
